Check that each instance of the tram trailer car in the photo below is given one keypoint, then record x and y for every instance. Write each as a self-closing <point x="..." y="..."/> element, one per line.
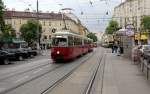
<point x="66" y="46"/>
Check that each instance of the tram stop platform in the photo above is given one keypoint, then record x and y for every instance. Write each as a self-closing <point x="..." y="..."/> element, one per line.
<point x="121" y="76"/>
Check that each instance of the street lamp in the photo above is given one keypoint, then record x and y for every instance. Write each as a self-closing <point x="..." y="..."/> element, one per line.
<point x="37" y="17"/>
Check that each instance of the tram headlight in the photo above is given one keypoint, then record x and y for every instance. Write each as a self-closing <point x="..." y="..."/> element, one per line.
<point x="58" y="52"/>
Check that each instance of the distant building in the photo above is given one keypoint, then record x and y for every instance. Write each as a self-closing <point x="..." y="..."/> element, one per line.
<point x="130" y="13"/>
<point x="99" y="35"/>
<point x="49" y="22"/>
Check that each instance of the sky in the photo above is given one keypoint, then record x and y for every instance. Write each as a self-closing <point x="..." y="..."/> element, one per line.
<point x="92" y="13"/>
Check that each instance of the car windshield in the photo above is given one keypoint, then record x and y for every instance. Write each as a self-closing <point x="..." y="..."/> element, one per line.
<point x="147" y="47"/>
<point x="59" y="42"/>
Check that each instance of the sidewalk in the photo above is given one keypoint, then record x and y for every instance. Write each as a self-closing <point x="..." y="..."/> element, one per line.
<point x="46" y="52"/>
<point x="122" y="77"/>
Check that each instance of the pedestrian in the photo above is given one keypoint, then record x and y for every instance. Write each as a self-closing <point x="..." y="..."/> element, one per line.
<point x="112" y="47"/>
<point x="115" y="47"/>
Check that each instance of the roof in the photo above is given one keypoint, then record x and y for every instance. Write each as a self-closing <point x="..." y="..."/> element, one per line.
<point x="123" y="3"/>
<point x="22" y="14"/>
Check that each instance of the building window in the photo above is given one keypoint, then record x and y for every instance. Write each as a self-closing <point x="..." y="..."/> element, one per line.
<point x="45" y="37"/>
<point x="14" y="22"/>
<point x="44" y="30"/>
<point x="50" y="30"/>
<point x="49" y="23"/>
<point x="6" y="21"/>
<point x="49" y="36"/>
<point x="44" y="23"/>
<point x="20" y="21"/>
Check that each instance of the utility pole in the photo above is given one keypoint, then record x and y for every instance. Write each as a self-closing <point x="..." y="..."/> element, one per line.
<point x="38" y="38"/>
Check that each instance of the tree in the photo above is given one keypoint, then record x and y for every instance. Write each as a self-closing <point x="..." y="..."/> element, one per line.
<point x="145" y="23"/>
<point x="2" y="22"/>
<point x="8" y="34"/>
<point x="112" y="27"/>
<point x="9" y="31"/>
<point x="29" y="31"/>
<point x="92" y="36"/>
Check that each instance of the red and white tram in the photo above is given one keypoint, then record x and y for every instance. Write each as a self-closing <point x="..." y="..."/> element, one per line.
<point x="66" y="45"/>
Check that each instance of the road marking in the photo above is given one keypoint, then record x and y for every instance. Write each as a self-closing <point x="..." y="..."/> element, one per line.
<point x="38" y="71"/>
<point x="21" y="79"/>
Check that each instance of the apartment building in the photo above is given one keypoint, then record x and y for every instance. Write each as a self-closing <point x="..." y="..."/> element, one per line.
<point x="49" y="22"/>
<point x="130" y="12"/>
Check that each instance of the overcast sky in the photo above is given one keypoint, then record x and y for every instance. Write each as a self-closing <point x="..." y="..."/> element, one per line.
<point x="94" y="11"/>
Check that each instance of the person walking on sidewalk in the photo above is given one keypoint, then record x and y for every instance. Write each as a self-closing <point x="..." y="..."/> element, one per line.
<point x="115" y="47"/>
<point x="112" y="47"/>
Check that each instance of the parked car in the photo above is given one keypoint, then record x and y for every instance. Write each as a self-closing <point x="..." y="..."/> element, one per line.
<point x="143" y="48"/>
<point x="19" y="54"/>
<point x="5" y="57"/>
<point x="29" y="51"/>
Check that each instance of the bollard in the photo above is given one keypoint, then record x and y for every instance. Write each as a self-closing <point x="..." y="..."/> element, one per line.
<point x="147" y="73"/>
<point x="142" y="65"/>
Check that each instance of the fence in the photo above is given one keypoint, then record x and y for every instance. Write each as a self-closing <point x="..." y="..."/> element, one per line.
<point x="145" y="67"/>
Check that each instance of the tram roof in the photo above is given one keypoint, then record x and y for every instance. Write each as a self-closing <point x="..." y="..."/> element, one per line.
<point x="66" y="32"/>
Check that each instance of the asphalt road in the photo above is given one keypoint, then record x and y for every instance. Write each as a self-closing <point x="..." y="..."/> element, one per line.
<point x="34" y="76"/>
<point x="79" y="82"/>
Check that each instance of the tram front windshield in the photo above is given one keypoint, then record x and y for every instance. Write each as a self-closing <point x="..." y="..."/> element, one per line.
<point x="59" y="42"/>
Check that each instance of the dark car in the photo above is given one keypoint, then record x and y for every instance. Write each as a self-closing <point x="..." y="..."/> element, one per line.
<point x="19" y="54"/>
<point x="5" y="57"/>
<point x="30" y="52"/>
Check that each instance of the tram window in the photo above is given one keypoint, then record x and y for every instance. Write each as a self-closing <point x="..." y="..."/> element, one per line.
<point x="59" y="42"/>
<point x="76" y="41"/>
<point x="80" y="41"/>
<point x="70" y="41"/>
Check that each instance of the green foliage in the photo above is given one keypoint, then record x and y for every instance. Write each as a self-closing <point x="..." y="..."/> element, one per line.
<point x="9" y="31"/>
<point x="8" y="34"/>
<point x="92" y="36"/>
<point x="29" y="31"/>
<point x="2" y="22"/>
<point x="145" y="22"/>
<point x="112" y="27"/>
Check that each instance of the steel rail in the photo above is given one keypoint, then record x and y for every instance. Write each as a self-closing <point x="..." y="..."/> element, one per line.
<point x="66" y="76"/>
<point x="16" y="74"/>
<point x="90" y="85"/>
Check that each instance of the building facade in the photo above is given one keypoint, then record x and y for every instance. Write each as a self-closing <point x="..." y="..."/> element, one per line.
<point x="49" y="22"/>
<point x="130" y="12"/>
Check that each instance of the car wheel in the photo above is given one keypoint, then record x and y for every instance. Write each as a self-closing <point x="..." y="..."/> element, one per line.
<point x="6" y="61"/>
<point x="20" y="58"/>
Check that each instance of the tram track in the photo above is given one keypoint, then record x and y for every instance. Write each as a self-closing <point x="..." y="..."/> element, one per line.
<point x="82" y="79"/>
<point x="93" y="77"/>
<point x="34" y="78"/>
<point x="31" y="79"/>
<point x="19" y="73"/>
<point x="50" y="88"/>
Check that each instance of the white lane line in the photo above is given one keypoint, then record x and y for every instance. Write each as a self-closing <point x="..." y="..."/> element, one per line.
<point x="21" y="79"/>
<point x="37" y="71"/>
